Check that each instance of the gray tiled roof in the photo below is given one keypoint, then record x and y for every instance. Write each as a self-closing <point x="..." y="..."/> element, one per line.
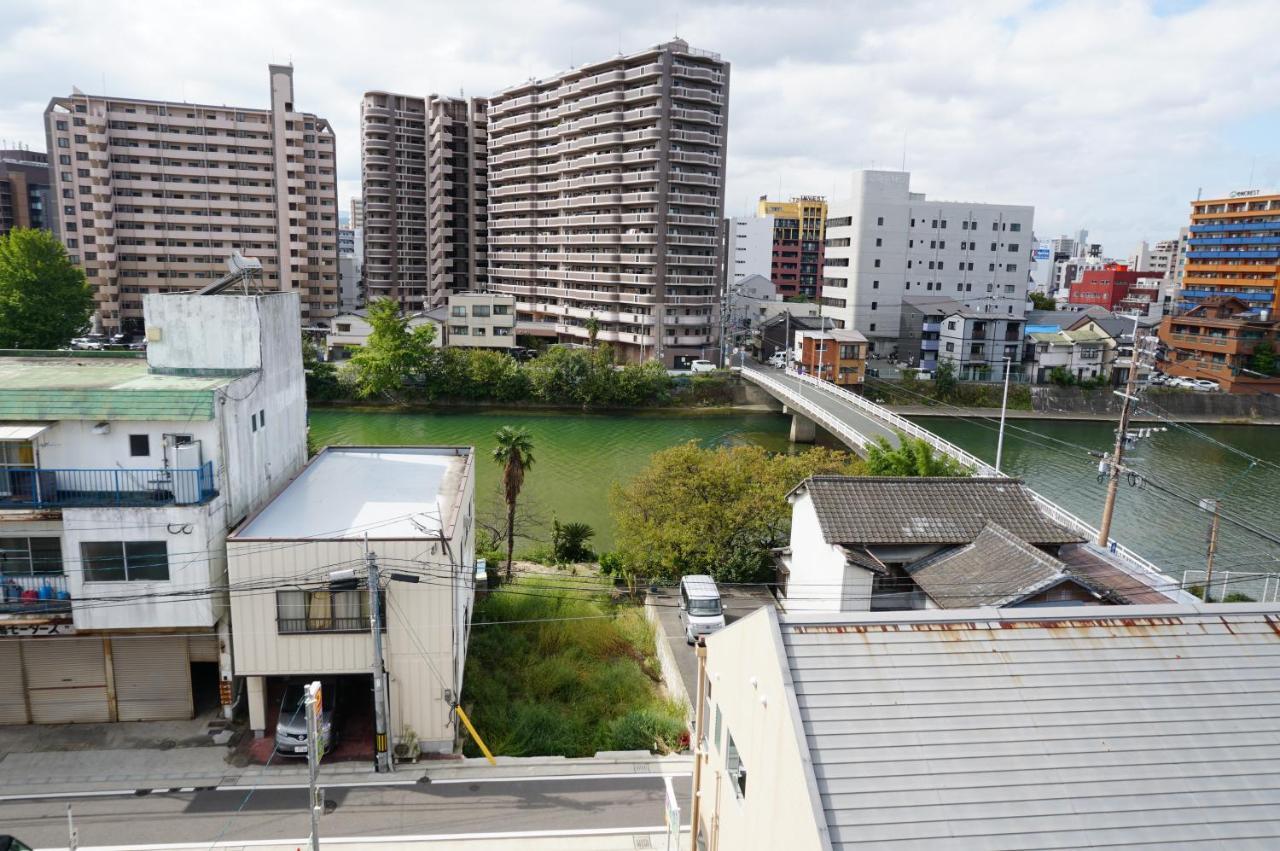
<point x="995" y="570"/>
<point x="876" y="510"/>
<point x="1135" y="727"/>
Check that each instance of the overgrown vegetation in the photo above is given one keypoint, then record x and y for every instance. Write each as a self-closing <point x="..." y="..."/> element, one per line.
<point x="714" y="511"/>
<point x="946" y="389"/>
<point x="1264" y="360"/>
<point x="538" y="684"/>
<point x="1042" y="301"/>
<point x="913" y="456"/>
<point x="1063" y="377"/>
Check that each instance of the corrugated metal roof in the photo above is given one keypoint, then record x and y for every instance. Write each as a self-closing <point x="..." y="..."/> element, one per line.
<point x="879" y="510"/>
<point x="995" y="570"/>
<point x="1148" y="727"/>
<point x="101" y="389"/>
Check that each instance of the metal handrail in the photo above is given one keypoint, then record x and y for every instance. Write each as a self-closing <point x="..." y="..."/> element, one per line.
<point x="109" y="486"/>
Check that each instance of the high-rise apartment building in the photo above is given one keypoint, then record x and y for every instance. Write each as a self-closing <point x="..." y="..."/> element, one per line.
<point x="887" y="242"/>
<point x="154" y="196"/>
<point x="25" y="194"/>
<point x="1234" y="250"/>
<point x="799" y="234"/>
<point x="357" y="213"/>
<point x="422" y="178"/>
<point x="748" y="248"/>
<point x="606" y="187"/>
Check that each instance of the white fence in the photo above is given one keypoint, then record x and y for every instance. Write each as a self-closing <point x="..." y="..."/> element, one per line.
<point x="1258" y="587"/>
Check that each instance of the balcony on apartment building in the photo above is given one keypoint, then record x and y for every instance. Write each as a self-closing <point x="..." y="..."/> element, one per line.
<point x="40" y="487"/>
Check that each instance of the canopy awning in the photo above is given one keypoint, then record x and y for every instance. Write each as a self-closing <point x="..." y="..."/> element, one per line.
<point x="22" y="431"/>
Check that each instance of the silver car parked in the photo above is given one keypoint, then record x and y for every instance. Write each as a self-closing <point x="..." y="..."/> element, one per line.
<point x="291" y="727"/>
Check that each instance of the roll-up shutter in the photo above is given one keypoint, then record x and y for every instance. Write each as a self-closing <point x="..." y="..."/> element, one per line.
<point x="153" y="679"/>
<point x="66" y="680"/>
<point x="204" y="648"/>
<point x="13" y="695"/>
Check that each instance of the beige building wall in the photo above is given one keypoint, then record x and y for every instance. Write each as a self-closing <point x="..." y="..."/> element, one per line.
<point x="154" y="196"/>
<point x="481" y="320"/>
<point x="751" y="701"/>
<point x="606" y="188"/>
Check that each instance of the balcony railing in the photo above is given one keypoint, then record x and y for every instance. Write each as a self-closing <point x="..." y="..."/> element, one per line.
<point x="40" y="487"/>
<point x="38" y="593"/>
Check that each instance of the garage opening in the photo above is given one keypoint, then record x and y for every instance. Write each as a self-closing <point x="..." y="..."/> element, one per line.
<point x="351" y="698"/>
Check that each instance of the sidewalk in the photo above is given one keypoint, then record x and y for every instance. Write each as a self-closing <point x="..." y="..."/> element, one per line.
<point x="45" y="774"/>
<point x="568" y="841"/>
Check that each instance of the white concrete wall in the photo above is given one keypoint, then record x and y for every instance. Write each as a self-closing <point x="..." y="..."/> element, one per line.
<point x="901" y="231"/>
<point x="73" y="444"/>
<point x="750" y="248"/>
<point x="779" y="809"/>
<point x="817" y="568"/>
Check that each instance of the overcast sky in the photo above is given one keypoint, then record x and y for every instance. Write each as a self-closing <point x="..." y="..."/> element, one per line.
<point x="1106" y="115"/>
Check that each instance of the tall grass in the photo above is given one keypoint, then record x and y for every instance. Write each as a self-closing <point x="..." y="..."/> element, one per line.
<point x="553" y="686"/>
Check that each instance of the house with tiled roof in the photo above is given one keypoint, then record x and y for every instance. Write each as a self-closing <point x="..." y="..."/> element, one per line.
<point x="876" y="543"/>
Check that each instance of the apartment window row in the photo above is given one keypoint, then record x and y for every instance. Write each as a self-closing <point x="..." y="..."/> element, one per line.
<point x="30" y="556"/>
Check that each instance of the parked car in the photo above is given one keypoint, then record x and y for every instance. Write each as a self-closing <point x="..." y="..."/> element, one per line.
<point x="90" y="342"/>
<point x="778" y="360"/>
<point x="1177" y="381"/>
<point x="9" y="843"/>
<point x="702" y="366"/>
<point x="291" y="726"/>
<point x="1205" y="384"/>
<point x="701" y="612"/>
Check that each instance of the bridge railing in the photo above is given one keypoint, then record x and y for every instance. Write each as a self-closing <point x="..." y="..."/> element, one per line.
<point x="826" y="420"/>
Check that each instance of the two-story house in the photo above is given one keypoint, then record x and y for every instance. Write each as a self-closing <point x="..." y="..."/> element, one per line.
<point x="411" y="509"/>
<point x="119" y="478"/>
<point x="1082" y="352"/>
<point x="838" y="356"/>
<point x="978" y="344"/>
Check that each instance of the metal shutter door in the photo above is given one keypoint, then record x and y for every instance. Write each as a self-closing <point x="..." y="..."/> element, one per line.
<point x="66" y="680"/>
<point x="153" y="678"/>
<point x="204" y="648"/>
<point x="13" y="696"/>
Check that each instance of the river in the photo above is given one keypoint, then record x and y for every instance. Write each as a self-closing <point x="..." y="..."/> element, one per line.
<point x="578" y="458"/>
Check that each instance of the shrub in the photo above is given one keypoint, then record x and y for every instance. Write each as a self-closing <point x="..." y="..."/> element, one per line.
<point x="569" y="542"/>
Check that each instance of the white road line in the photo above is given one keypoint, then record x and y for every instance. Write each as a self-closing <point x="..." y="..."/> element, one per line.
<point x="266" y="787"/>
<point x="385" y="840"/>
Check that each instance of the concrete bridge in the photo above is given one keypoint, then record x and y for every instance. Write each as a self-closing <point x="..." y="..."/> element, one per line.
<point x="857" y="422"/>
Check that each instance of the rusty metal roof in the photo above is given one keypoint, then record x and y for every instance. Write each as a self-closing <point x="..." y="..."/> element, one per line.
<point x="887" y="510"/>
<point x="1134" y="726"/>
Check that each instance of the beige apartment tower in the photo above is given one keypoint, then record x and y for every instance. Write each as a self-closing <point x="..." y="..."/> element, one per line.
<point x="423" y="180"/>
<point x="606" y="188"/>
<point x="154" y="196"/>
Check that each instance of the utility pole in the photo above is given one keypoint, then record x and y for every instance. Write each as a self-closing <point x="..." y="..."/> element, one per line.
<point x="73" y="838"/>
<point x="1117" y="454"/>
<point x="1213" y="545"/>
<point x="698" y="754"/>
<point x="382" y="756"/>
<point x="314" y="707"/>
<point x="1004" y="406"/>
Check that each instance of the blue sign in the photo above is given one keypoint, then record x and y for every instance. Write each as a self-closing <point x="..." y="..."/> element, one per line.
<point x="1042" y="253"/>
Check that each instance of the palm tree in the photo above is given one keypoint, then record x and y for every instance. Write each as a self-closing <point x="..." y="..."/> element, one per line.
<point x="593" y="328"/>
<point x="514" y="453"/>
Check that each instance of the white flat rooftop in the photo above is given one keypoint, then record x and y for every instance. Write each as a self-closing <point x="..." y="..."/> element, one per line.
<point x="348" y="492"/>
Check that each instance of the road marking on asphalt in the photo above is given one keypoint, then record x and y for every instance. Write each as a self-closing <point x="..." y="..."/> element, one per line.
<point x="264" y="787"/>
<point x="657" y="830"/>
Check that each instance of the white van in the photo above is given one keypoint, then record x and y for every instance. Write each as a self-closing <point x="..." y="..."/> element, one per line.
<point x="700" y="609"/>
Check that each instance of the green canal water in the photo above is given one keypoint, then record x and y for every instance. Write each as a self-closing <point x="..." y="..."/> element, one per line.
<point x="580" y="456"/>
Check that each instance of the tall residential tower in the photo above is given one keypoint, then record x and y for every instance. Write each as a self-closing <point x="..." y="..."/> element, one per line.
<point x="1234" y="250"/>
<point x="607" y="197"/>
<point x="153" y="196"/>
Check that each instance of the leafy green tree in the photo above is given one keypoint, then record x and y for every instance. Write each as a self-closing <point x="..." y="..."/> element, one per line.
<point x="645" y="383"/>
<point x="1042" y="301"/>
<point x="514" y="453"/>
<point x="322" y="376"/>
<point x="1061" y="376"/>
<point x="44" y="300"/>
<point x="1263" y="359"/>
<point x="944" y="380"/>
<point x="714" y="511"/>
<point x="394" y="354"/>
<point x="496" y="375"/>
<point x="911" y="457"/>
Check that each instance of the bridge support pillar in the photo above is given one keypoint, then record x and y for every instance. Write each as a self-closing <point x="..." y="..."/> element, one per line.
<point x="803" y="429"/>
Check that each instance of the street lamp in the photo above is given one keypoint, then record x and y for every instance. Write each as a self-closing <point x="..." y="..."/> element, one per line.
<point x="1004" y="407"/>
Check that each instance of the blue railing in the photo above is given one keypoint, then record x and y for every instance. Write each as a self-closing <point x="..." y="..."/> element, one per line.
<point x="41" y="487"/>
<point x="1243" y="296"/>
<point x="1226" y="228"/>
<point x="1233" y="255"/>
<point x="1234" y="240"/>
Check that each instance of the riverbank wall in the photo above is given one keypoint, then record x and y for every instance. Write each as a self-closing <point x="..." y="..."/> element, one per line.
<point x="1074" y="403"/>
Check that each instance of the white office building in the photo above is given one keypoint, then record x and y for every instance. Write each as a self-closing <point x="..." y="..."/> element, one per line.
<point x="885" y="242"/>
<point x="748" y="248"/>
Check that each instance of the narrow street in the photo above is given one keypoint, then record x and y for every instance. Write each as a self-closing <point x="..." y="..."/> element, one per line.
<point x="364" y="811"/>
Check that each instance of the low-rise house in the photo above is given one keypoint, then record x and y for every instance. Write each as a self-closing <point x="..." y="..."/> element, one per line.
<point x="1215" y="340"/>
<point x="1083" y="352"/>
<point x="875" y="543"/>
<point x="481" y="320"/>
<point x="1052" y="727"/>
<point x="779" y="333"/>
<point x="413" y="509"/>
<point x="348" y="332"/>
<point x="838" y="356"/>
<point x="977" y="344"/>
<point x="119" y="478"/>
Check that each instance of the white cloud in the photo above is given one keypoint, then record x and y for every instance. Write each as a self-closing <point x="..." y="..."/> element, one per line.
<point x="1108" y="115"/>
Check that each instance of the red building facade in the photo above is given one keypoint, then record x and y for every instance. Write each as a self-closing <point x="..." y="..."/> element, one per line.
<point x="1118" y="288"/>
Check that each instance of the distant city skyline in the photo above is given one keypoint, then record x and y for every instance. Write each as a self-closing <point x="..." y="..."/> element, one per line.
<point x="1109" y="116"/>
